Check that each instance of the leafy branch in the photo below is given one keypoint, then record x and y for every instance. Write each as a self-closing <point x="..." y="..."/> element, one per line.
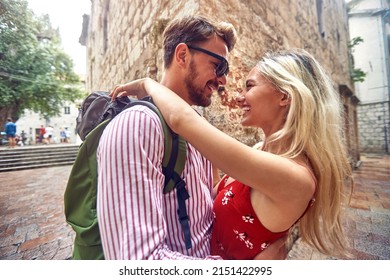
<point x="357" y="74"/>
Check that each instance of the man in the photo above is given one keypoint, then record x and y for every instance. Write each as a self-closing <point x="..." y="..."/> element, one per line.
<point x="42" y="132"/>
<point x="136" y="220"/>
<point x="23" y="138"/>
<point x="67" y="135"/>
<point x="10" y="130"/>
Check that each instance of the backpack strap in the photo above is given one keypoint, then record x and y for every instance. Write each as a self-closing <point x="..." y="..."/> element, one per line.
<point x="175" y="154"/>
<point x="182" y="195"/>
<point x="175" y="158"/>
<point x="175" y="147"/>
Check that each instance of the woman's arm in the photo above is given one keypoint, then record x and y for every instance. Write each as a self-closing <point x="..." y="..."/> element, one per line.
<point x="261" y="170"/>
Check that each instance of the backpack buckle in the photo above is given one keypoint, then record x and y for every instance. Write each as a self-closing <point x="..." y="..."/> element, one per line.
<point x="182" y="196"/>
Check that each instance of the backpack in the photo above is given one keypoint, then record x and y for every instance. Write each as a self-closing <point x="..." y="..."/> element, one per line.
<point x="80" y="197"/>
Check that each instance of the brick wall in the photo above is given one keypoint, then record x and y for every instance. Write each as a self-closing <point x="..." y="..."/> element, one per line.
<point x="374" y="127"/>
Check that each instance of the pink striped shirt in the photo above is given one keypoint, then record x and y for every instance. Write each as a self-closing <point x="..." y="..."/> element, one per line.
<point x="136" y="220"/>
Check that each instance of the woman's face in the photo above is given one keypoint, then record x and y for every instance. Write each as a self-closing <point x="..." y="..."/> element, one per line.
<point x="261" y="103"/>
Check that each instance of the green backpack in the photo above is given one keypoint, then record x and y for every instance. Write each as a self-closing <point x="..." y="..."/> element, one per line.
<point x="80" y="195"/>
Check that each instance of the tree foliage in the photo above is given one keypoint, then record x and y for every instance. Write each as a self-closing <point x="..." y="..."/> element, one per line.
<point x="35" y="72"/>
<point x="357" y="74"/>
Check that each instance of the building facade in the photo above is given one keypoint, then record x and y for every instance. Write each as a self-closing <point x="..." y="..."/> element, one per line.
<point x="123" y="40"/>
<point x="30" y="122"/>
<point x="369" y="20"/>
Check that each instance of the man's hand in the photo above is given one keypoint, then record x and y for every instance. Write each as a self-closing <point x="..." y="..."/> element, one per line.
<point x="275" y="251"/>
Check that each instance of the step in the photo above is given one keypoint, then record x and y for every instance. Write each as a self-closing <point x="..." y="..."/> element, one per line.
<point x="24" y="167"/>
<point x="33" y="161"/>
<point x="29" y="157"/>
<point x="37" y="149"/>
<point x="18" y="157"/>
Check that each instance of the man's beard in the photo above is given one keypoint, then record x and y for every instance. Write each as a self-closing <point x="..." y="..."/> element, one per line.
<point x="196" y="94"/>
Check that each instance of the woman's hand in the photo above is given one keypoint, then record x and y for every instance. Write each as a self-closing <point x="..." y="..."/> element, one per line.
<point x="133" y="88"/>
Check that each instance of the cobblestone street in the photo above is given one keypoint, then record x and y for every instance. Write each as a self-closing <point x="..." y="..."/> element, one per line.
<point x="32" y="224"/>
<point x="367" y="222"/>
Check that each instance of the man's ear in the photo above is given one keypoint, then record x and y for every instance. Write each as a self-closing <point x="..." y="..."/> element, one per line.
<point x="181" y="54"/>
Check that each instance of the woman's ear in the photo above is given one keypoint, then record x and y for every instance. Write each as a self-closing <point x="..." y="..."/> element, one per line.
<point x="285" y="100"/>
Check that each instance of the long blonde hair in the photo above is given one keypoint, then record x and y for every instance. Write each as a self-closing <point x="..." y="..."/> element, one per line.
<point x="314" y="127"/>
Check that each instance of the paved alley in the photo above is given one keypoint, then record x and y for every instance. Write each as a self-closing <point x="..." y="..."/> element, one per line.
<point x="32" y="224"/>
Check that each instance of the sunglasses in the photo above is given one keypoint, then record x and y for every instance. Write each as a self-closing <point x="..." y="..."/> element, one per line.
<point x="222" y="68"/>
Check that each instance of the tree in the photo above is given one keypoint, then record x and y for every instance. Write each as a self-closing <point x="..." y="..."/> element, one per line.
<point x="35" y="72"/>
<point x="357" y="74"/>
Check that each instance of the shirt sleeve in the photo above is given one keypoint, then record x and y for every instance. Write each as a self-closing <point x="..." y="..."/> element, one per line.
<point x="130" y="188"/>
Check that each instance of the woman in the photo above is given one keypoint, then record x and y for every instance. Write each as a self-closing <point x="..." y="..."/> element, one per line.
<point x="299" y="172"/>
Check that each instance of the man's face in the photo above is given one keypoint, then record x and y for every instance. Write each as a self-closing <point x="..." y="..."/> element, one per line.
<point x="201" y="79"/>
<point x="199" y="95"/>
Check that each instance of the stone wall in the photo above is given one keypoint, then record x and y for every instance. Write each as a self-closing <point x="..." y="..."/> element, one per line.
<point x="124" y="42"/>
<point x="374" y="129"/>
<point x="370" y="20"/>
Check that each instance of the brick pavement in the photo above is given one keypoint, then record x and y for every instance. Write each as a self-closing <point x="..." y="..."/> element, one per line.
<point x="367" y="221"/>
<point x="32" y="224"/>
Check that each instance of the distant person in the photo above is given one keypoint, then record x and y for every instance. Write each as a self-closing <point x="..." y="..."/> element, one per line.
<point x="23" y="138"/>
<point x="10" y="130"/>
<point x="67" y="135"/>
<point x="62" y="135"/>
<point x="49" y="134"/>
<point x="42" y="132"/>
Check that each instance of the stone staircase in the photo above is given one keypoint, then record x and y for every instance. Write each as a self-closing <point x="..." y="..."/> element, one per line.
<point x="29" y="157"/>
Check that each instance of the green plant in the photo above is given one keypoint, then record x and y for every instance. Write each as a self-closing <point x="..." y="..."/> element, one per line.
<point x="357" y="74"/>
<point x="35" y="72"/>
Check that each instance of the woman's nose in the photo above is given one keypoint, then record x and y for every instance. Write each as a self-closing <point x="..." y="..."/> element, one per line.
<point x="239" y="97"/>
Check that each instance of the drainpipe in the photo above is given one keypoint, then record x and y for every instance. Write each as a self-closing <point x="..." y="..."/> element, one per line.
<point x="386" y="17"/>
<point x="386" y="49"/>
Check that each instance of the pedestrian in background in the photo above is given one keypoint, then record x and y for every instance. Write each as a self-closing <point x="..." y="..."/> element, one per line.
<point x="49" y="134"/>
<point x="23" y="138"/>
<point x="42" y="132"/>
<point x="10" y="130"/>
<point x="67" y="135"/>
<point x="62" y="135"/>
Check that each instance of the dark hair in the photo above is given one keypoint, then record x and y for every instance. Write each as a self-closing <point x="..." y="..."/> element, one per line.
<point x="195" y="29"/>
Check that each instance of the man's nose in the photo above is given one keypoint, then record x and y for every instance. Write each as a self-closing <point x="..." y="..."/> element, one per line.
<point x="239" y="97"/>
<point x="222" y="80"/>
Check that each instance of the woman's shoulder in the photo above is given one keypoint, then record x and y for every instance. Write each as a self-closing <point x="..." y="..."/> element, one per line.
<point x="305" y="163"/>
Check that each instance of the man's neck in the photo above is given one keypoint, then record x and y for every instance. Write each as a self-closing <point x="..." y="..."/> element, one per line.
<point x="171" y="81"/>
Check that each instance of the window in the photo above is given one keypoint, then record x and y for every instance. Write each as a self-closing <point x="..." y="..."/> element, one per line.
<point x="67" y="110"/>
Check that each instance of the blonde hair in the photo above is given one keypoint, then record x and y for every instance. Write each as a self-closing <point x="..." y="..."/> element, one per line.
<point x="314" y="127"/>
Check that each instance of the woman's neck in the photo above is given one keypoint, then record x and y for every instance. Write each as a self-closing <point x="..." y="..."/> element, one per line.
<point x="277" y="147"/>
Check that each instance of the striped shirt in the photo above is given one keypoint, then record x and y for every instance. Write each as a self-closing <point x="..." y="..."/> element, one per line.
<point x="136" y="220"/>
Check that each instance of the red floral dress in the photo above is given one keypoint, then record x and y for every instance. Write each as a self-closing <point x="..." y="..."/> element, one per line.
<point x="237" y="232"/>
